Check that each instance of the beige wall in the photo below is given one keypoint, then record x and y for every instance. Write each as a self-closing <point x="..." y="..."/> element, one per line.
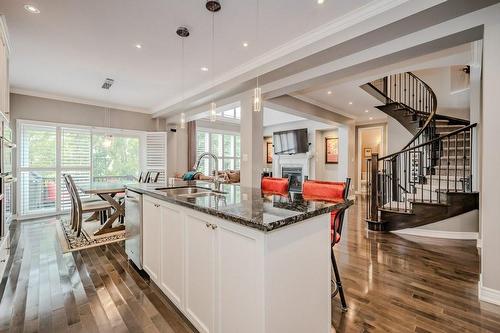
<point x="490" y="182"/>
<point x="43" y="109"/>
<point x="326" y="172"/>
<point x="264" y="152"/>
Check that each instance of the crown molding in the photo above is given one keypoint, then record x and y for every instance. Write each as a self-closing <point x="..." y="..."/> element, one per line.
<point x="367" y="11"/>
<point x="77" y="100"/>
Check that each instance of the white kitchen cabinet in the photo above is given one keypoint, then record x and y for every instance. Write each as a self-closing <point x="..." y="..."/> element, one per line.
<point x="200" y="269"/>
<point x="226" y="277"/>
<point x="240" y="279"/>
<point x="151" y="249"/>
<point x="172" y="253"/>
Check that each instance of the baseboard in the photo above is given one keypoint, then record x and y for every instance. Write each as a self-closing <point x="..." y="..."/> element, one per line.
<point x="438" y="233"/>
<point x="488" y="294"/>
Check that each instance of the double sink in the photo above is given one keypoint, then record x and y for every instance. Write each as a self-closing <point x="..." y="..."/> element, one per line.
<point x="190" y="191"/>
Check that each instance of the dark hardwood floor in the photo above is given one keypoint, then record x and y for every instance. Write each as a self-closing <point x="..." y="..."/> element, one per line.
<point x="392" y="284"/>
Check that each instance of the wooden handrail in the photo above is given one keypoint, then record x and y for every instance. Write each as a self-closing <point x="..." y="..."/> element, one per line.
<point x="463" y="129"/>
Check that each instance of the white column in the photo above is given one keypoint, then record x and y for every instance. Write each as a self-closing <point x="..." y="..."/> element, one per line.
<point x="475" y="110"/>
<point x="251" y="142"/>
<point x="489" y="289"/>
<point x="177" y="150"/>
<point x="347" y="152"/>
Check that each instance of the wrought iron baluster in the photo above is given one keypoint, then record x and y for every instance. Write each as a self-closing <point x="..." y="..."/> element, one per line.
<point x="456" y="160"/>
<point x="464" y="175"/>
<point x="439" y="173"/>
<point x="430" y="170"/>
<point x="448" y="168"/>
<point x="470" y="158"/>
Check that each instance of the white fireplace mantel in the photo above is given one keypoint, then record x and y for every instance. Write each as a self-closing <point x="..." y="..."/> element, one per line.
<point x="297" y="160"/>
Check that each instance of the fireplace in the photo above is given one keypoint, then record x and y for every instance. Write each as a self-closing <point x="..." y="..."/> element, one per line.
<point x="295" y="177"/>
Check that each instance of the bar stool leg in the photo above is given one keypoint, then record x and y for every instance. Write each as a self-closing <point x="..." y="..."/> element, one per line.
<point x="338" y="282"/>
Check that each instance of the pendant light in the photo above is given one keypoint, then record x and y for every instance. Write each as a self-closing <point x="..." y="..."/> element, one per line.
<point x="213" y="6"/>
<point x="108" y="139"/>
<point x="257" y="92"/>
<point x="182" y="32"/>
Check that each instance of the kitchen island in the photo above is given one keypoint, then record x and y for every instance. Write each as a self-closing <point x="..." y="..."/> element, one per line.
<point x="237" y="261"/>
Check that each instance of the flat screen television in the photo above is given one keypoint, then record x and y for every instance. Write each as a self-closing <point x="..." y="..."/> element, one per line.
<point x="290" y="142"/>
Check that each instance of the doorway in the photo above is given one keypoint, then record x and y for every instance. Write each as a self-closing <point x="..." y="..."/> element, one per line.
<point x="370" y="140"/>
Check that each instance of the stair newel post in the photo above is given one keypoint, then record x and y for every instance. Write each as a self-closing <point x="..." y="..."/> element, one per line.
<point x="374" y="188"/>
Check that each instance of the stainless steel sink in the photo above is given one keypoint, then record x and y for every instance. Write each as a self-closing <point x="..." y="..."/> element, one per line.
<point x="203" y="194"/>
<point x="184" y="191"/>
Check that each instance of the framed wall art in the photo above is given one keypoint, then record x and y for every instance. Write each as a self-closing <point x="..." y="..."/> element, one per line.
<point x="331" y="150"/>
<point x="269" y="152"/>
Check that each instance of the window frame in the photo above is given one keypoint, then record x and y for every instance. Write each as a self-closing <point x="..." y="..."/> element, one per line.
<point x="59" y="168"/>
<point x="213" y="131"/>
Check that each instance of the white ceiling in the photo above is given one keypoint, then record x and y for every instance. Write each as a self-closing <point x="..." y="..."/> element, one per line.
<point x="72" y="46"/>
<point x="272" y="117"/>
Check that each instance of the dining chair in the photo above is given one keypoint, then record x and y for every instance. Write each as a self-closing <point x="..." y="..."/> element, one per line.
<point x="79" y="208"/>
<point x="141" y="177"/>
<point x="275" y="186"/>
<point x="152" y="176"/>
<point x="331" y="192"/>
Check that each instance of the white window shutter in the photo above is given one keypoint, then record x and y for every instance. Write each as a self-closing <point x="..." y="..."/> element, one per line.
<point x="156" y="153"/>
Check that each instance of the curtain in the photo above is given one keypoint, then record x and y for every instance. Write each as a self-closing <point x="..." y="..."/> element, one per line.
<point x="191" y="133"/>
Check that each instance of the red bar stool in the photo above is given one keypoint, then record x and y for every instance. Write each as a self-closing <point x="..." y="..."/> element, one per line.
<point x="332" y="192"/>
<point x="275" y="186"/>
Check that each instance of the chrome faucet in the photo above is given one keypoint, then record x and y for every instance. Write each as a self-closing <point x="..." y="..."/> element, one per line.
<point x="217" y="181"/>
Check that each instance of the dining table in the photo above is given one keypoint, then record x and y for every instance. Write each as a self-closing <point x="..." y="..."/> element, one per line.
<point x="108" y="191"/>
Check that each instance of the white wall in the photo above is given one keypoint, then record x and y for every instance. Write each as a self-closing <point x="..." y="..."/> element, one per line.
<point x="312" y="127"/>
<point x="448" y="103"/>
<point x="397" y="136"/>
<point x="490" y="196"/>
<point x="328" y="172"/>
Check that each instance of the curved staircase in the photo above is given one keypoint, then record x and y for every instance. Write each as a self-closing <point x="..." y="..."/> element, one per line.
<point x="430" y="178"/>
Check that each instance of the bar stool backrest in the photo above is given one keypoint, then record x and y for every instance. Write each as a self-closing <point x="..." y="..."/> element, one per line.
<point x="330" y="192"/>
<point x="275" y="186"/>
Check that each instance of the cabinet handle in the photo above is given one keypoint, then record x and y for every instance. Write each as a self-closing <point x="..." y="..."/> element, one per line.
<point x="208" y="225"/>
<point x="214" y="227"/>
<point x="2" y="261"/>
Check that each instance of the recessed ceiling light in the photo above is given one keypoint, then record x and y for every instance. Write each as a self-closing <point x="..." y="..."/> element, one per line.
<point x="139" y="46"/>
<point x="245" y="44"/>
<point x="350" y="103"/>
<point x="320" y="2"/>
<point x="367" y="111"/>
<point x="204" y="69"/>
<point x="32" y="9"/>
<point x="371" y="118"/>
<point x="329" y="92"/>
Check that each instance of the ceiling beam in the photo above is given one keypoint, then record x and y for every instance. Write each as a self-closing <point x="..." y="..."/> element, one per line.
<point x="307" y="110"/>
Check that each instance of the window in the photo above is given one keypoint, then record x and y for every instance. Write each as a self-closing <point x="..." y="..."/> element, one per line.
<point x="231" y="114"/>
<point x="48" y="151"/>
<point x="226" y="146"/>
<point x="75" y="160"/>
<point x="115" y="158"/>
<point x="37" y="174"/>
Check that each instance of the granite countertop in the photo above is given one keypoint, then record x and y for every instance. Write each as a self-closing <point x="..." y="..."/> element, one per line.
<point x="243" y="205"/>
